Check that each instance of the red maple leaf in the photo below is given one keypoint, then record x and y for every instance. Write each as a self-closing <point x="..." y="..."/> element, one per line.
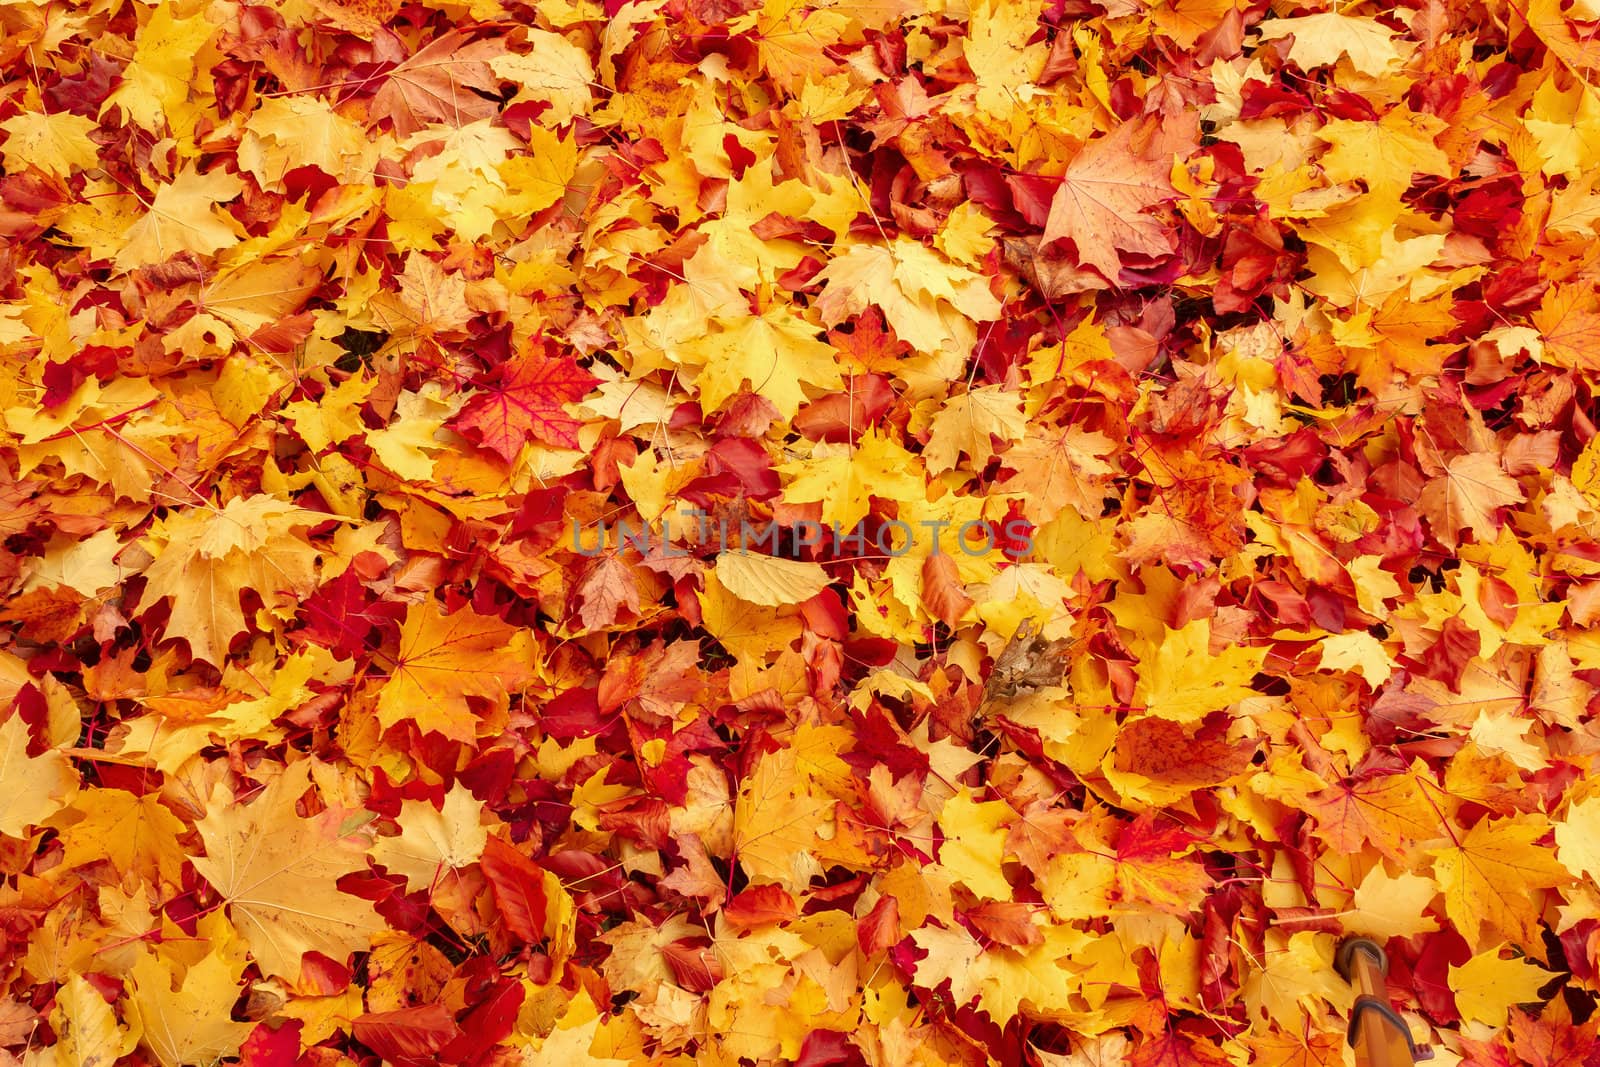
<point x="522" y="398"/>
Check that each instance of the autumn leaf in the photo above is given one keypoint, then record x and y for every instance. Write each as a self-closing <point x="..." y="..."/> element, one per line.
<point x="433" y="842"/>
<point x="1486" y="986"/>
<point x="769" y="581"/>
<point x="522" y="400"/>
<point x="1184" y="682"/>
<point x="209" y="556"/>
<point x="448" y="81"/>
<point x="138" y="835"/>
<point x="184" y="217"/>
<point x="88" y="1028"/>
<point x="442" y="661"/>
<point x="1323" y="39"/>
<point x="1468" y="496"/>
<point x="57" y="143"/>
<point x="186" y="1021"/>
<point x="36" y="787"/>
<point x="276" y="872"/>
<point x="1101" y="202"/>
<point x="1493" y="880"/>
<point x="1388" y="812"/>
<point x="779" y="811"/>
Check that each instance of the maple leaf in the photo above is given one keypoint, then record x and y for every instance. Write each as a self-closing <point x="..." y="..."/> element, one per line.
<point x="782" y="806"/>
<point x="974" y="844"/>
<point x="434" y="841"/>
<point x="739" y="353"/>
<point x="1321" y="40"/>
<point x="1569" y="325"/>
<point x="844" y="479"/>
<point x="748" y="631"/>
<point x="609" y="587"/>
<point x="206" y="557"/>
<point x="1493" y="879"/>
<point x="1144" y="869"/>
<point x="187" y="1021"/>
<point x="155" y="86"/>
<point x="1578" y="838"/>
<point x="970" y="423"/>
<point x="1577" y="50"/>
<point x="1171" y="761"/>
<point x="553" y="70"/>
<point x="1389" y="812"/>
<point x="924" y="299"/>
<point x="521" y="400"/>
<point x="1184" y="682"/>
<point x="183" y="217"/>
<point x="1056" y="468"/>
<point x="1386" y="907"/>
<point x="138" y="835"/>
<point x="361" y="17"/>
<point x="57" y="143"/>
<point x="1100" y="204"/>
<point x="1468" y="496"/>
<point x="448" y="81"/>
<point x="1385" y="154"/>
<point x="1486" y="986"/>
<point x="276" y="872"/>
<point x="1299" y="969"/>
<point x="443" y="660"/>
<point x="34" y="787"/>
<point x="88" y="1029"/>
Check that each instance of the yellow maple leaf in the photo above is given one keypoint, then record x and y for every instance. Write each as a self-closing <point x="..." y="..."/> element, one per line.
<point x="55" y="142"/>
<point x="844" y="478"/>
<point x="554" y="70"/>
<point x="930" y="302"/>
<point x="434" y="842"/>
<point x="1180" y="679"/>
<point x="156" y="84"/>
<point x="970" y="423"/>
<point x="445" y="659"/>
<point x="776" y="352"/>
<point x="1385" y="154"/>
<point x="187" y="1020"/>
<point x="974" y="845"/>
<point x="999" y="54"/>
<point x="32" y="788"/>
<point x="783" y="805"/>
<point x="1486" y="986"/>
<point x="751" y="632"/>
<point x="1321" y="40"/>
<point x="1493" y="880"/>
<point x="183" y="217"/>
<point x="205" y="557"/>
<point x="1298" y="972"/>
<point x="276" y="872"/>
<point x="89" y="1034"/>
<point x="1385" y="907"/>
<point x="1578" y="839"/>
<point x="138" y="835"/>
<point x="538" y="180"/>
<point x="1359" y="652"/>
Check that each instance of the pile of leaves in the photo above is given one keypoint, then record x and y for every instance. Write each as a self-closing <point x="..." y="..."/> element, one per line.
<point x="342" y="728"/>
